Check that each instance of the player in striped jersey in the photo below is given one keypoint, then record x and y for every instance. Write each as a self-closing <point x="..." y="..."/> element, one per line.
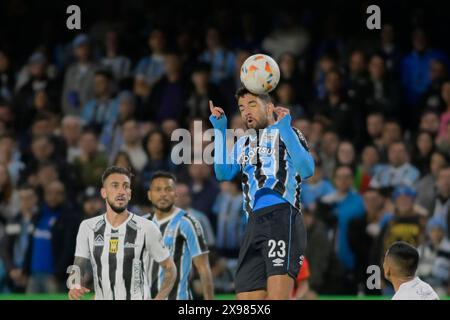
<point x="273" y="158"/>
<point x="120" y="245"/>
<point x="183" y="235"/>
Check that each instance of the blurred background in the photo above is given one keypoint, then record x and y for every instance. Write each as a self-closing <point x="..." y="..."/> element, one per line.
<point x="374" y="106"/>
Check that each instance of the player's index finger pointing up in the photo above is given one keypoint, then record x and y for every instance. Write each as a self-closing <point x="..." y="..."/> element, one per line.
<point x="211" y="106"/>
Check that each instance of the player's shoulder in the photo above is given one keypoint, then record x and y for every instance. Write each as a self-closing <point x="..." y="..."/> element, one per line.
<point x="143" y="222"/>
<point x="189" y="222"/>
<point x="93" y="223"/>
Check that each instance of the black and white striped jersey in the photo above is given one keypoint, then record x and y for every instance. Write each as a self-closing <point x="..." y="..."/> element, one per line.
<point x="120" y="257"/>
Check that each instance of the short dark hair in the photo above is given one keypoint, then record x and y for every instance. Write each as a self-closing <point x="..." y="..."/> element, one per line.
<point x="116" y="169"/>
<point x="26" y="186"/>
<point x="104" y="73"/>
<point x="163" y="174"/>
<point x="242" y="91"/>
<point x="405" y="256"/>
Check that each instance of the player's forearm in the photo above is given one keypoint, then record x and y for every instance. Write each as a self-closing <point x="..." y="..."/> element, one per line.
<point x="207" y="284"/>
<point x="224" y="168"/>
<point x="170" y="275"/>
<point x="301" y="158"/>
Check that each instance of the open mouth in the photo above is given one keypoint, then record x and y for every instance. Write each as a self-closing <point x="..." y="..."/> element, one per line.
<point x="250" y="121"/>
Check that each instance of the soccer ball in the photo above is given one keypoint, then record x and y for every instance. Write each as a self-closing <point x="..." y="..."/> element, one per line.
<point x="260" y="74"/>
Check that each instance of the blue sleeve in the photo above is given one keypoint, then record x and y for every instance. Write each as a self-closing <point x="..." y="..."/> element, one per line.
<point x="297" y="147"/>
<point x="193" y="233"/>
<point x="225" y="166"/>
<point x="86" y="113"/>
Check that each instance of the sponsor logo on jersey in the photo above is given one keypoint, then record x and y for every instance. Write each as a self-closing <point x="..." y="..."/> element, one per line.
<point x="130" y="245"/>
<point x="278" y="262"/>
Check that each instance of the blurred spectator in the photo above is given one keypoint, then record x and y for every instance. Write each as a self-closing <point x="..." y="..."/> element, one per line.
<point x="286" y="97"/>
<point x="183" y="201"/>
<point x="37" y="94"/>
<point x="78" y="86"/>
<point x="116" y="63"/>
<point x="230" y="219"/>
<point x="444" y="141"/>
<point x="204" y="188"/>
<point x="392" y="132"/>
<point x="9" y="198"/>
<point x="132" y="144"/>
<point x="156" y="145"/>
<point x="398" y="171"/>
<point x="415" y="76"/>
<point x="103" y="109"/>
<point x="315" y="187"/>
<point x="426" y="186"/>
<point x="91" y="162"/>
<point x="336" y="109"/>
<point x="404" y="224"/>
<point x="112" y="134"/>
<point x="151" y="68"/>
<point x="326" y="271"/>
<point x="433" y="270"/>
<point x="375" y="125"/>
<point x="169" y="94"/>
<point x="363" y="233"/>
<point x="358" y="77"/>
<point x="290" y="71"/>
<point x="390" y="49"/>
<point x="422" y="151"/>
<point x="10" y="157"/>
<point x="382" y="95"/>
<point x="325" y="64"/>
<point x="198" y="102"/>
<point x="431" y="99"/>
<point x="16" y="244"/>
<point x="429" y="122"/>
<point x="441" y="205"/>
<point x="367" y="168"/>
<point x="287" y="36"/>
<point x="6" y="77"/>
<point x="328" y="148"/>
<point x="222" y="61"/>
<point x="445" y="116"/>
<point x="53" y="241"/>
<point x="71" y="129"/>
<point x="93" y="204"/>
<point x="339" y="208"/>
<point x="345" y="155"/>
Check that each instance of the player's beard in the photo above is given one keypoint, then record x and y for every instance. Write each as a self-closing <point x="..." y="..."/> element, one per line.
<point x="258" y="124"/>
<point x="164" y="209"/>
<point x="117" y="209"/>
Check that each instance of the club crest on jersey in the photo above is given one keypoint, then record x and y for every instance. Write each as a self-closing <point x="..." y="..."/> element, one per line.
<point x="113" y="245"/>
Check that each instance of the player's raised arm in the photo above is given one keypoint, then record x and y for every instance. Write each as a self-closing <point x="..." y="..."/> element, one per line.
<point x="170" y="275"/>
<point x="224" y="167"/>
<point x="295" y="144"/>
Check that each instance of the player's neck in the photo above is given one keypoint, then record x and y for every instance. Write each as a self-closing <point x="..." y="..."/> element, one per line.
<point x="161" y="215"/>
<point x="115" y="219"/>
<point x="397" y="282"/>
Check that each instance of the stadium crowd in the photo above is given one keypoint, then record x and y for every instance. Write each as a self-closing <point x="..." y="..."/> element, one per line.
<point x="375" y="113"/>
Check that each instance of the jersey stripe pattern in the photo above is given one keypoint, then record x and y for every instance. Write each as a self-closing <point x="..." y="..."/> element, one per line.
<point x="120" y="257"/>
<point x="266" y="163"/>
<point x="185" y="240"/>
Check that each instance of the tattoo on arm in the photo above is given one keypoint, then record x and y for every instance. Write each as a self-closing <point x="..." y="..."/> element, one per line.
<point x="85" y="268"/>
<point x="170" y="274"/>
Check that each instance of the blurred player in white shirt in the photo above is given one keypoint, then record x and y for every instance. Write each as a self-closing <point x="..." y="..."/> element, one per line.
<point x="400" y="265"/>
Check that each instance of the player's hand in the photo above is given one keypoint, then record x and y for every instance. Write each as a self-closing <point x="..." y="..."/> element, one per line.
<point x="218" y="117"/>
<point x="281" y="112"/>
<point x="78" y="293"/>
<point x="215" y="111"/>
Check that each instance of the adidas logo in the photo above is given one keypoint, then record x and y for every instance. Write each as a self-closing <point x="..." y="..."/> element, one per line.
<point x="278" y="262"/>
<point x="99" y="241"/>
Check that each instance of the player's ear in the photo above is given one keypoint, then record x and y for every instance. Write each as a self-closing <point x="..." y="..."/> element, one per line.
<point x="103" y="192"/>
<point x="149" y="196"/>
